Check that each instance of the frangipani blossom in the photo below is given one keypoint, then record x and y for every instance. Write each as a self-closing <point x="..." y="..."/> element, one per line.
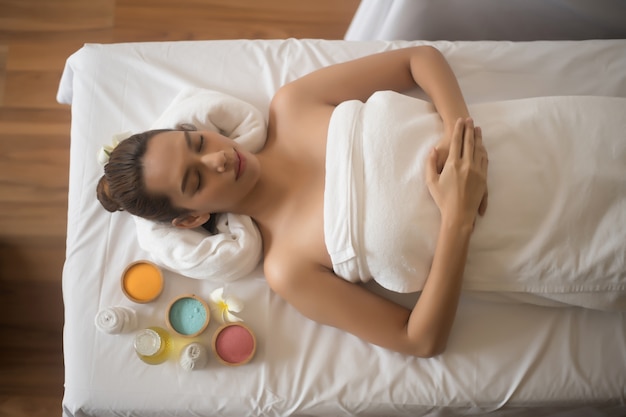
<point x="104" y="153"/>
<point x="221" y="306"/>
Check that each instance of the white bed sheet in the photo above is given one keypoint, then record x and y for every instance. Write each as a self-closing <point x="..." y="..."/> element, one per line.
<point x="506" y="358"/>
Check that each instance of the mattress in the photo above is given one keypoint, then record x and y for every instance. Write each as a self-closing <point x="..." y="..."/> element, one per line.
<point x="508" y="359"/>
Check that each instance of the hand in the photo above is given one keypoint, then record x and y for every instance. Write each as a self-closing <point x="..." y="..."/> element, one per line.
<point x="443" y="145"/>
<point x="460" y="188"/>
<point x="443" y="150"/>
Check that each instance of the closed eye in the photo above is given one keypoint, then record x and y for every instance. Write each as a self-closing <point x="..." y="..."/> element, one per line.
<point x="200" y="146"/>
<point x="201" y="143"/>
<point x="199" y="182"/>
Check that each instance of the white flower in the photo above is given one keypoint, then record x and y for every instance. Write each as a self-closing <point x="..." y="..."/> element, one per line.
<point x="104" y="153"/>
<point x="118" y="137"/>
<point x="221" y="307"/>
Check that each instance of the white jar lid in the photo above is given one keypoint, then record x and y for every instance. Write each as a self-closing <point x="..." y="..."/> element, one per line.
<point x="147" y="342"/>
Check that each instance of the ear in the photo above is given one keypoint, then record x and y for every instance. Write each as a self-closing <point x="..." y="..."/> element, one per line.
<point x="191" y="221"/>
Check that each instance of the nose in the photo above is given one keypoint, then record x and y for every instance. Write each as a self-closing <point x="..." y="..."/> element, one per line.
<point x="215" y="161"/>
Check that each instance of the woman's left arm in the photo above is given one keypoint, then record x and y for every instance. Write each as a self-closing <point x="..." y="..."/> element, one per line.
<point x="397" y="70"/>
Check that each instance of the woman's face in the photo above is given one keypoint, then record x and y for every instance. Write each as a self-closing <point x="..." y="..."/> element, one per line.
<point x="201" y="171"/>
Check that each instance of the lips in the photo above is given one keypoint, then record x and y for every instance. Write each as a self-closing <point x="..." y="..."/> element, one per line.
<point x="241" y="165"/>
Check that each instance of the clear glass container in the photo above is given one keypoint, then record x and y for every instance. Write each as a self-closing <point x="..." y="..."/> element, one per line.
<point x="153" y="345"/>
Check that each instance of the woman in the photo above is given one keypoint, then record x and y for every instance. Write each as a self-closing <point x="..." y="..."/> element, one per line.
<point x="183" y="176"/>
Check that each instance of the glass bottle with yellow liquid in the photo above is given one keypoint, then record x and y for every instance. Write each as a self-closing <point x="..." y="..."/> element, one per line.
<point x="153" y="345"/>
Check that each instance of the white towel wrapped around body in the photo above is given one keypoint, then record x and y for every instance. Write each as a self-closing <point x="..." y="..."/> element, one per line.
<point x="556" y="220"/>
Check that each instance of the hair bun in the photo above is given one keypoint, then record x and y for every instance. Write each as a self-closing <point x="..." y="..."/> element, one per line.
<point x="102" y="191"/>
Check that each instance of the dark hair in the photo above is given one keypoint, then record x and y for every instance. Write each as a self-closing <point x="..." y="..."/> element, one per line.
<point x="122" y="186"/>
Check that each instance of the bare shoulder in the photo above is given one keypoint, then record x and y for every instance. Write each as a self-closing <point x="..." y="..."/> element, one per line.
<point x="284" y="265"/>
<point x="289" y="99"/>
<point x="294" y="114"/>
<point x="299" y="280"/>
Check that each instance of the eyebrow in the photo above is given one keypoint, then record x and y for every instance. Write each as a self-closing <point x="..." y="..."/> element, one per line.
<point x="183" y="185"/>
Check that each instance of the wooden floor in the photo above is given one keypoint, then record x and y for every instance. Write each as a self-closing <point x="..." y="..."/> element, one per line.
<point x="36" y="36"/>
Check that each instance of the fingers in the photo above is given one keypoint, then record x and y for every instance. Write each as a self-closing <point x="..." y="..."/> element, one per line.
<point x="482" y="209"/>
<point x="442" y="157"/>
<point x="480" y="152"/>
<point x="456" y="142"/>
<point x="478" y="143"/>
<point x="462" y="182"/>
<point x="481" y="158"/>
<point x="468" y="140"/>
<point x="463" y="142"/>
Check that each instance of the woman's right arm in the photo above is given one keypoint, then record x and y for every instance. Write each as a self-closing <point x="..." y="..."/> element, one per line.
<point x="458" y="192"/>
<point x="320" y="295"/>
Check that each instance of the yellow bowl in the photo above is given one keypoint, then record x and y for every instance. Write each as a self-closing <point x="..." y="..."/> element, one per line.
<point x="142" y="281"/>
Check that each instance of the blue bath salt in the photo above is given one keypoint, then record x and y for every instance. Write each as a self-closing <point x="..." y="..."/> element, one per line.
<point x="187" y="316"/>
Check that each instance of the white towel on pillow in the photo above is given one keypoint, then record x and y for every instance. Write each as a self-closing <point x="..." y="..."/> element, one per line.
<point x="218" y="112"/>
<point x="236" y="249"/>
<point x="230" y="254"/>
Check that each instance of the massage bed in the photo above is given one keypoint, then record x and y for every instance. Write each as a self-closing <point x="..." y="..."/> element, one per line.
<point x="503" y="358"/>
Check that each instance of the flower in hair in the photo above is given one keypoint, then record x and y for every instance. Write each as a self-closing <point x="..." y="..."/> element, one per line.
<point x="104" y="153"/>
<point x="222" y="306"/>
